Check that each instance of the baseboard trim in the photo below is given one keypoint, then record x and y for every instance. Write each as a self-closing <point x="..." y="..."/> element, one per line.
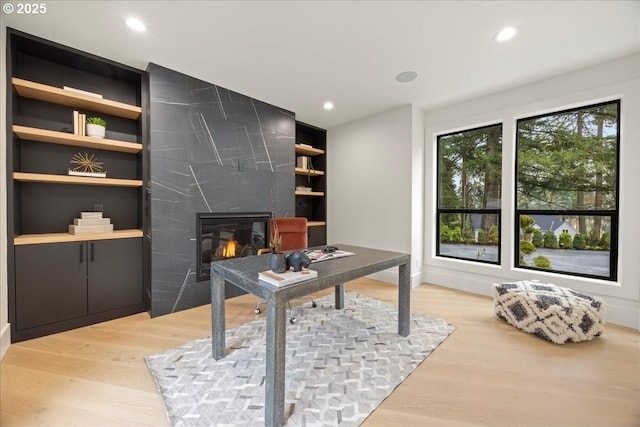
<point x="391" y="276"/>
<point x="618" y="311"/>
<point x="5" y="340"/>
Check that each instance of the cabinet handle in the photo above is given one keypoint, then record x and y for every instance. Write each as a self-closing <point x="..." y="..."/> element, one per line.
<point x="93" y="249"/>
<point x="81" y="253"/>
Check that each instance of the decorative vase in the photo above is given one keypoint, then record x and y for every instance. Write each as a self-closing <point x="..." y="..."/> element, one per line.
<point x="95" y="131"/>
<point x="278" y="263"/>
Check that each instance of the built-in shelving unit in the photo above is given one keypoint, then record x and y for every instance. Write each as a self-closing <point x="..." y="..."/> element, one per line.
<point x="311" y="203"/>
<point x="78" y="279"/>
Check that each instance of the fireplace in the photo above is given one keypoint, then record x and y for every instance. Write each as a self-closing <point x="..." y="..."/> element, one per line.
<point x="229" y="235"/>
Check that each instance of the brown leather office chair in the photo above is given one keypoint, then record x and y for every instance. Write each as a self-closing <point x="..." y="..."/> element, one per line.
<point x="293" y="231"/>
<point x="294" y="234"/>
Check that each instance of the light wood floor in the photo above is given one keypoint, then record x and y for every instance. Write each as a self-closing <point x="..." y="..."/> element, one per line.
<point x="485" y="374"/>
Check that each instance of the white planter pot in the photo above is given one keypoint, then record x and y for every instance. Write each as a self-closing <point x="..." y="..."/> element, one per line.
<point x="95" y="131"/>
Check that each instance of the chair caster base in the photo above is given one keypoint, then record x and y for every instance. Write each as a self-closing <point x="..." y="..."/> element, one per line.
<point x="293" y="320"/>
<point x="257" y="311"/>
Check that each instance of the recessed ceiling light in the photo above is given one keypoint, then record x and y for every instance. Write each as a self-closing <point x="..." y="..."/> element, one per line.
<point x="406" y="76"/>
<point x="328" y="105"/>
<point x="506" y="34"/>
<point x="136" y="24"/>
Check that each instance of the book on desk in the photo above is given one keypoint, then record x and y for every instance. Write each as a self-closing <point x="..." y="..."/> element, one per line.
<point x="288" y="277"/>
<point x="318" y="255"/>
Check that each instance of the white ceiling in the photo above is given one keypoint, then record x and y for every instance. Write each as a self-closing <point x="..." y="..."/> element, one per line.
<point x="298" y="54"/>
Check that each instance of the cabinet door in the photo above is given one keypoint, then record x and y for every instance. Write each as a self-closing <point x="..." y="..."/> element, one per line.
<point x="115" y="274"/>
<point x="51" y="283"/>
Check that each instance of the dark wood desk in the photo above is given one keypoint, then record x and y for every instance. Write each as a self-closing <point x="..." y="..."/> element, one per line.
<point x="243" y="272"/>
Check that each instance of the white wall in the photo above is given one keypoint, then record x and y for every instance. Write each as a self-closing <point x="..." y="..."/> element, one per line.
<point x="618" y="79"/>
<point x="5" y="328"/>
<point x="369" y="184"/>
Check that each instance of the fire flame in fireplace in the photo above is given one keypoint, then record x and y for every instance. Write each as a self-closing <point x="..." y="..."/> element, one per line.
<point x="229" y="251"/>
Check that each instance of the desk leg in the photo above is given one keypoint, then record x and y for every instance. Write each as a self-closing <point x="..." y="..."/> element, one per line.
<point x="275" y="363"/>
<point x="339" y="292"/>
<point x="404" y="290"/>
<point x="217" y="317"/>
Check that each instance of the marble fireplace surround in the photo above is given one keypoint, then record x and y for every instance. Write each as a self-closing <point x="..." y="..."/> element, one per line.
<point x="210" y="150"/>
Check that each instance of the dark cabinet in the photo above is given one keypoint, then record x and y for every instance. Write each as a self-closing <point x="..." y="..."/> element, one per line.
<point x="59" y="282"/>
<point x="48" y="292"/>
<point x="114" y="274"/>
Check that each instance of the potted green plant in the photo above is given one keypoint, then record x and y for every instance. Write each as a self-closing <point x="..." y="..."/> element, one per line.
<point x="96" y="127"/>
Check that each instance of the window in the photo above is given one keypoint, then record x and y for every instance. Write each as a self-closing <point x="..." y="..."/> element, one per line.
<point x="469" y="192"/>
<point x="567" y="191"/>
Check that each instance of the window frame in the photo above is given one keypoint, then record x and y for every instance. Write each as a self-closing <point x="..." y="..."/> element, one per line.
<point x="614" y="214"/>
<point x="484" y="211"/>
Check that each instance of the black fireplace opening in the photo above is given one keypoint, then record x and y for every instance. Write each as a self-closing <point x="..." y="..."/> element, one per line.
<point x="229" y="235"/>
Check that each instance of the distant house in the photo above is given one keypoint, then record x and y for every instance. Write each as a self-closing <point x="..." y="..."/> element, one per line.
<point x="476" y="225"/>
<point x="552" y="223"/>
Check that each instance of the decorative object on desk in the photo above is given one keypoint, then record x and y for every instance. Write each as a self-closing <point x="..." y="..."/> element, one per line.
<point x="278" y="263"/>
<point x="88" y="165"/>
<point x="91" y="222"/>
<point x="275" y="243"/>
<point x="341" y="364"/>
<point x="96" y="127"/>
<point x="297" y="260"/>
<point x="288" y="277"/>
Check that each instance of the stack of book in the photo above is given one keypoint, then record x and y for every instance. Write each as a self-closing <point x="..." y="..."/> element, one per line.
<point x="288" y="277"/>
<point x="304" y="162"/>
<point x="79" y="119"/>
<point x="91" y="222"/>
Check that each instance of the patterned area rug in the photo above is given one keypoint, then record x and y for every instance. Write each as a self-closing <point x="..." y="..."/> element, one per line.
<point x="341" y="364"/>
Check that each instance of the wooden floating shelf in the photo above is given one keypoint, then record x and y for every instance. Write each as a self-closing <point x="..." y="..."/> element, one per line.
<point x="54" y="137"/>
<point x="65" y="179"/>
<point x="309" y="193"/>
<point x="35" y="239"/>
<point x="308" y="172"/>
<point x="309" y="151"/>
<point x="29" y="89"/>
<point x="316" y="223"/>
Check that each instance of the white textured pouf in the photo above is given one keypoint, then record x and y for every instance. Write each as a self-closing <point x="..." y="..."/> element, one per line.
<point x="549" y="311"/>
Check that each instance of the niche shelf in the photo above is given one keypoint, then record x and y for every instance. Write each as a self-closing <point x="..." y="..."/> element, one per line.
<point x="41" y="92"/>
<point x="62" y="138"/>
